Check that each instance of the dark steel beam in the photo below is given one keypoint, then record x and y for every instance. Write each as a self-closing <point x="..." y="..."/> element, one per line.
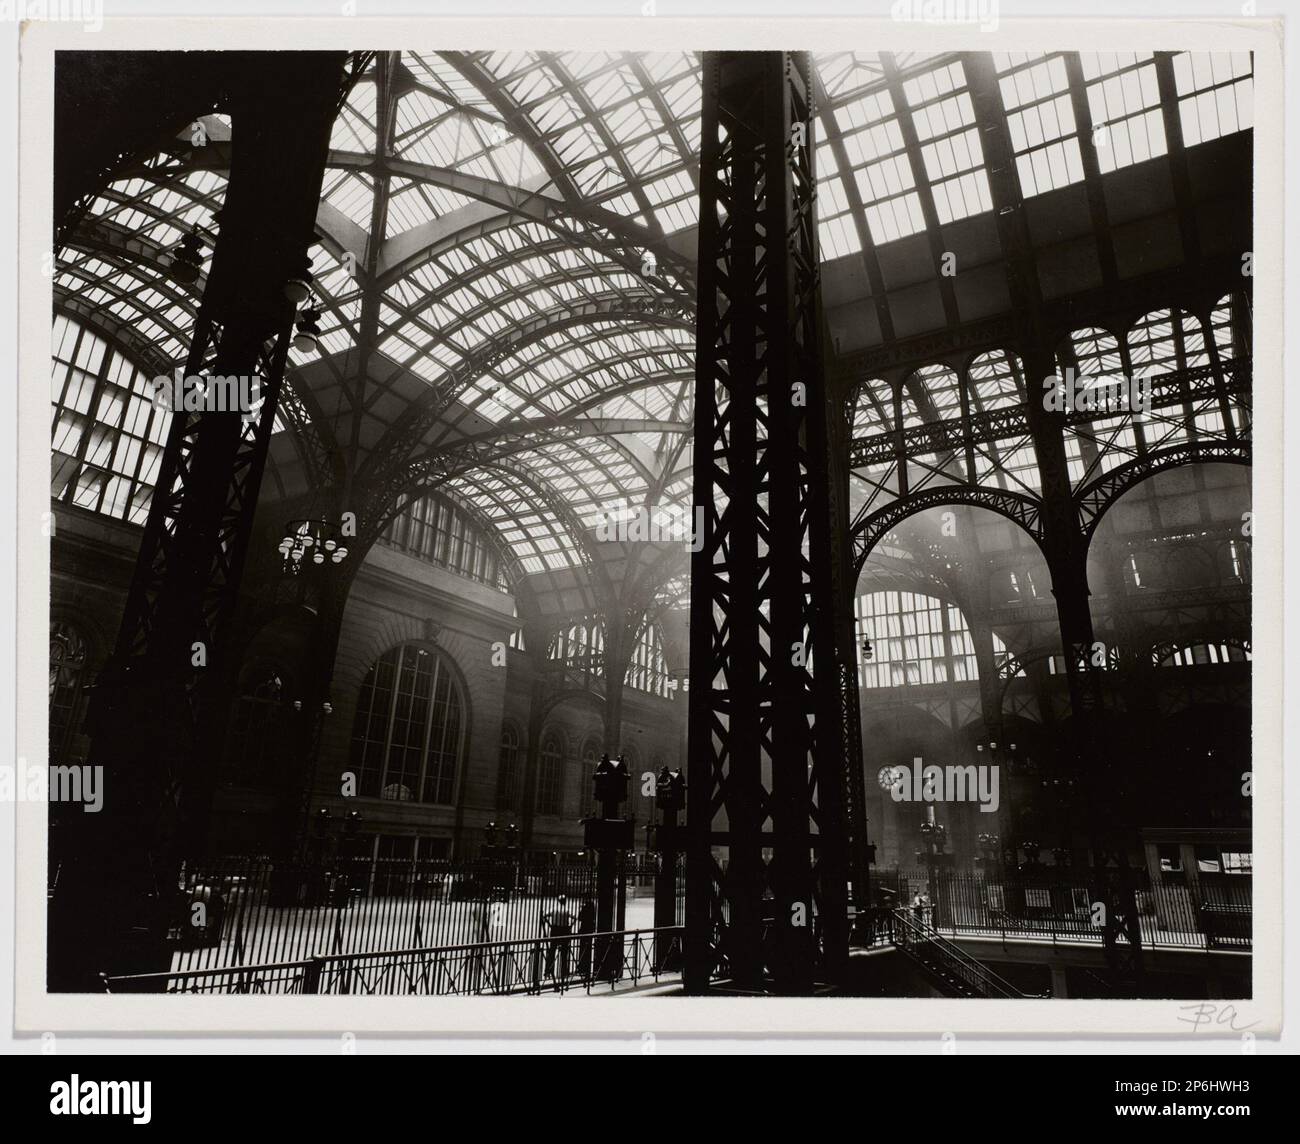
<point x="766" y="753"/>
<point x="161" y="703"/>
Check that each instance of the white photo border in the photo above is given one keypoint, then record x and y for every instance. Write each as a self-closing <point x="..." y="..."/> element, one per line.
<point x="35" y="1010"/>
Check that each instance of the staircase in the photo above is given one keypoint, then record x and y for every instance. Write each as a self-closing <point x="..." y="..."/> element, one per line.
<point x="950" y="970"/>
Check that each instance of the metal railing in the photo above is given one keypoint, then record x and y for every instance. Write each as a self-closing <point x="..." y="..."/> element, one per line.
<point x="1179" y="912"/>
<point x="923" y="944"/>
<point x="589" y="962"/>
<point x="255" y="913"/>
<point x="872" y="927"/>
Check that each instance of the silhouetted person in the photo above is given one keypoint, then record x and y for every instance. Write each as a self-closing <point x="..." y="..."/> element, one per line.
<point x="558" y="923"/>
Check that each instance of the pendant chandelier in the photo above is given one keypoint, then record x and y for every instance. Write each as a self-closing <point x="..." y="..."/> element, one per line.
<point x="311" y="542"/>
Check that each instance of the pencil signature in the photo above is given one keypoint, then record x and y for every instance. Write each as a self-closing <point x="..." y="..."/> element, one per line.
<point x="1206" y="1013"/>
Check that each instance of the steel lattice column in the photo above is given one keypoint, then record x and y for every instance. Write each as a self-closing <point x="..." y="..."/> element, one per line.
<point x="767" y="866"/>
<point x="839" y="555"/>
<point x="158" y="709"/>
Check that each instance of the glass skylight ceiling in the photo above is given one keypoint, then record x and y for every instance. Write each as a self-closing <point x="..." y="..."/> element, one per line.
<point x="1216" y="95"/>
<point x="1036" y="95"/>
<point x="1124" y="99"/>
<point x="516" y="194"/>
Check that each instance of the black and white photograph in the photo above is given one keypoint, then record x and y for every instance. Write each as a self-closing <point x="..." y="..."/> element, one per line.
<point x="652" y="523"/>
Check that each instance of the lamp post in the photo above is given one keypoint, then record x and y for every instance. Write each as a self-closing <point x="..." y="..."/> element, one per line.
<point x="935" y="837"/>
<point x="990" y="847"/>
<point x="1031" y="851"/>
<point x="294" y="861"/>
<point x="1007" y="758"/>
<point x="670" y="797"/>
<point x="310" y="551"/>
<point x="1059" y="792"/>
<point x="609" y="835"/>
<point x="336" y="839"/>
<point x="502" y="857"/>
<point x="517" y="856"/>
<point x="326" y="843"/>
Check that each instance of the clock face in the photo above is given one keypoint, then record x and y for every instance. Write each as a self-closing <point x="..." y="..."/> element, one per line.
<point x="890" y="776"/>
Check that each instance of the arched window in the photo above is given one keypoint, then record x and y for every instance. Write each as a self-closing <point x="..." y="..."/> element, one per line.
<point x="873" y="407"/>
<point x="1166" y="340"/>
<point x="646" y="670"/>
<point x="942" y="388"/>
<point x="508" y="770"/>
<point x="1230" y="332"/>
<point x="907" y="638"/>
<point x="257" y="736"/>
<point x="408" y="735"/>
<point x="107" y="433"/>
<point x="1206" y="652"/>
<point x="1230" y="326"/>
<point x="580" y="645"/>
<point x="549" y="775"/>
<point x="1102" y="439"/>
<point x="1162" y="342"/>
<point x="435" y="529"/>
<point x="67" y="661"/>
<point x="995" y="380"/>
<point x="873" y="424"/>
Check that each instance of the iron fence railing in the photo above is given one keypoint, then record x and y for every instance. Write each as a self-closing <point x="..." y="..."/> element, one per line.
<point x="589" y="962"/>
<point x="918" y="940"/>
<point x="250" y="911"/>
<point x="1207" y="912"/>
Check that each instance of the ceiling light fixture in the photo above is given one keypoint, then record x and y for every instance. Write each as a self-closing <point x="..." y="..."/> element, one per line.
<point x="314" y="541"/>
<point x="307" y="339"/>
<point x="187" y="260"/>
<point x="298" y="288"/>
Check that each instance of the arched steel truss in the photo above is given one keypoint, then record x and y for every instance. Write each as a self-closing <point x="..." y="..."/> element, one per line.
<point x="1022" y="510"/>
<point x="480" y="137"/>
<point x="1098" y="496"/>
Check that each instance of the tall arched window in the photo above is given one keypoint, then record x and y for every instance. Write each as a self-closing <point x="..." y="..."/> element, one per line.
<point x="443" y="533"/>
<point x="996" y="380"/>
<point x="1162" y="342"/>
<point x="549" y="775"/>
<point x="581" y="644"/>
<point x="907" y="638"/>
<point x="107" y="433"/>
<point x="67" y="661"/>
<point x="647" y="669"/>
<point x="508" y="770"/>
<point x="1106" y="440"/>
<point x="408" y="735"/>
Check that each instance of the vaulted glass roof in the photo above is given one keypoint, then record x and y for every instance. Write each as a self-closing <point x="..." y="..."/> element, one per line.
<point x="506" y="250"/>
